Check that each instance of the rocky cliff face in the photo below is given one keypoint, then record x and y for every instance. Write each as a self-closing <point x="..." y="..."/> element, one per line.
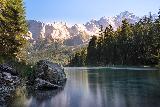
<point x="79" y="33"/>
<point x="58" y="31"/>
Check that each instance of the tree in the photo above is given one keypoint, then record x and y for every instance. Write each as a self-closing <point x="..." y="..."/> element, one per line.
<point x="92" y="51"/>
<point x="108" y="45"/>
<point x="100" y="48"/>
<point x="13" y="27"/>
<point x="79" y="58"/>
<point x="124" y="40"/>
<point x="156" y="39"/>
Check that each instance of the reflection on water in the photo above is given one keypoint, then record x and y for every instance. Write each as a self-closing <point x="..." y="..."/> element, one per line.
<point x="100" y="88"/>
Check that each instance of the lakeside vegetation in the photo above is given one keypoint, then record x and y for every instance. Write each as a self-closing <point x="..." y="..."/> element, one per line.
<point x="131" y="44"/>
<point x="13" y="33"/>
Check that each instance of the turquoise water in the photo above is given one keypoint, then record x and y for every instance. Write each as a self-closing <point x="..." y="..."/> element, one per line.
<point x="99" y="87"/>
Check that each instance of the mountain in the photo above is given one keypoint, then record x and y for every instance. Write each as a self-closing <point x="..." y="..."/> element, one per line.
<point x="77" y="34"/>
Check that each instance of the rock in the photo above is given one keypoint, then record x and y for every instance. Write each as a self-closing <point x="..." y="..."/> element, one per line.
<point x="43" y="84"/>
<point x="48" y="75"/>
<point x="6" y="68"/>
<point x="8" y="83"/>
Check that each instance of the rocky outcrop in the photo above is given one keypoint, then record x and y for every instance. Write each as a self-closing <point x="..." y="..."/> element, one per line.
<point x="8" y="83"/>
<point x="48" y="75"/>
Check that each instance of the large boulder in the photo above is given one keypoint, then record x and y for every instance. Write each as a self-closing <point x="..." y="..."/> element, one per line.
<point x="48" y="75"/>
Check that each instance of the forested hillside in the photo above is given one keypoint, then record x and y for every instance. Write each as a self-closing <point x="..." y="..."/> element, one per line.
<point x="130" y="44"/>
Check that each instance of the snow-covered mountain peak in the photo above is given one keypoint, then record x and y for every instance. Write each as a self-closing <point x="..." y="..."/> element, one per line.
<point x="78" y="33"/>
<point x="126" y="14"/>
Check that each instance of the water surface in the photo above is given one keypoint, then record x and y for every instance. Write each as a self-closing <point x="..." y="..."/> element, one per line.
<point x="104" y="87"/>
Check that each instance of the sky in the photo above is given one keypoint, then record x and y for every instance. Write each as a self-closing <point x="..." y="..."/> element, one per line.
<point x="81" y="11"/>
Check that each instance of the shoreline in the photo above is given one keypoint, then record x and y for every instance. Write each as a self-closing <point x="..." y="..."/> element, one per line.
<point x="146" y="68"/>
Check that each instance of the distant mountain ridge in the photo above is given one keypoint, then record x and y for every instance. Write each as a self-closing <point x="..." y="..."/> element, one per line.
<point x="77" y="34"/>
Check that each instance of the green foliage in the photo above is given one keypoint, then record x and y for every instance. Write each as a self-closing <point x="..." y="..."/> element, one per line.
<point x="137" y="44"/>
<point x="23" y="69"/>
<point x="54" y="52"/>
<point x="79" y="58"/>
<point x="92" y="51"/>
<point x="13" y="26"/>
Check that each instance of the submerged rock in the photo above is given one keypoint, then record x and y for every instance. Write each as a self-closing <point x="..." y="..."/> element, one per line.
<point x="48" y="75"/>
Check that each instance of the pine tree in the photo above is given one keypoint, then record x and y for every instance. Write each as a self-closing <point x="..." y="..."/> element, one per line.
<point x="13" y="27"/>
<point x="124" y="39"/>
<point x="108" y="45"/>
<point x="156" y="39"/>
<point x="92" y="51"/>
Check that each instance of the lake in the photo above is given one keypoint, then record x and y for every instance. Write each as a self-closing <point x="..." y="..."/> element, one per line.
<point x="98" y="87"/>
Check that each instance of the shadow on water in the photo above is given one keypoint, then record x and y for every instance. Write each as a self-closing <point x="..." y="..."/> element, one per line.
<point x="27" y="97"/>
<point x="98" y="88"/>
